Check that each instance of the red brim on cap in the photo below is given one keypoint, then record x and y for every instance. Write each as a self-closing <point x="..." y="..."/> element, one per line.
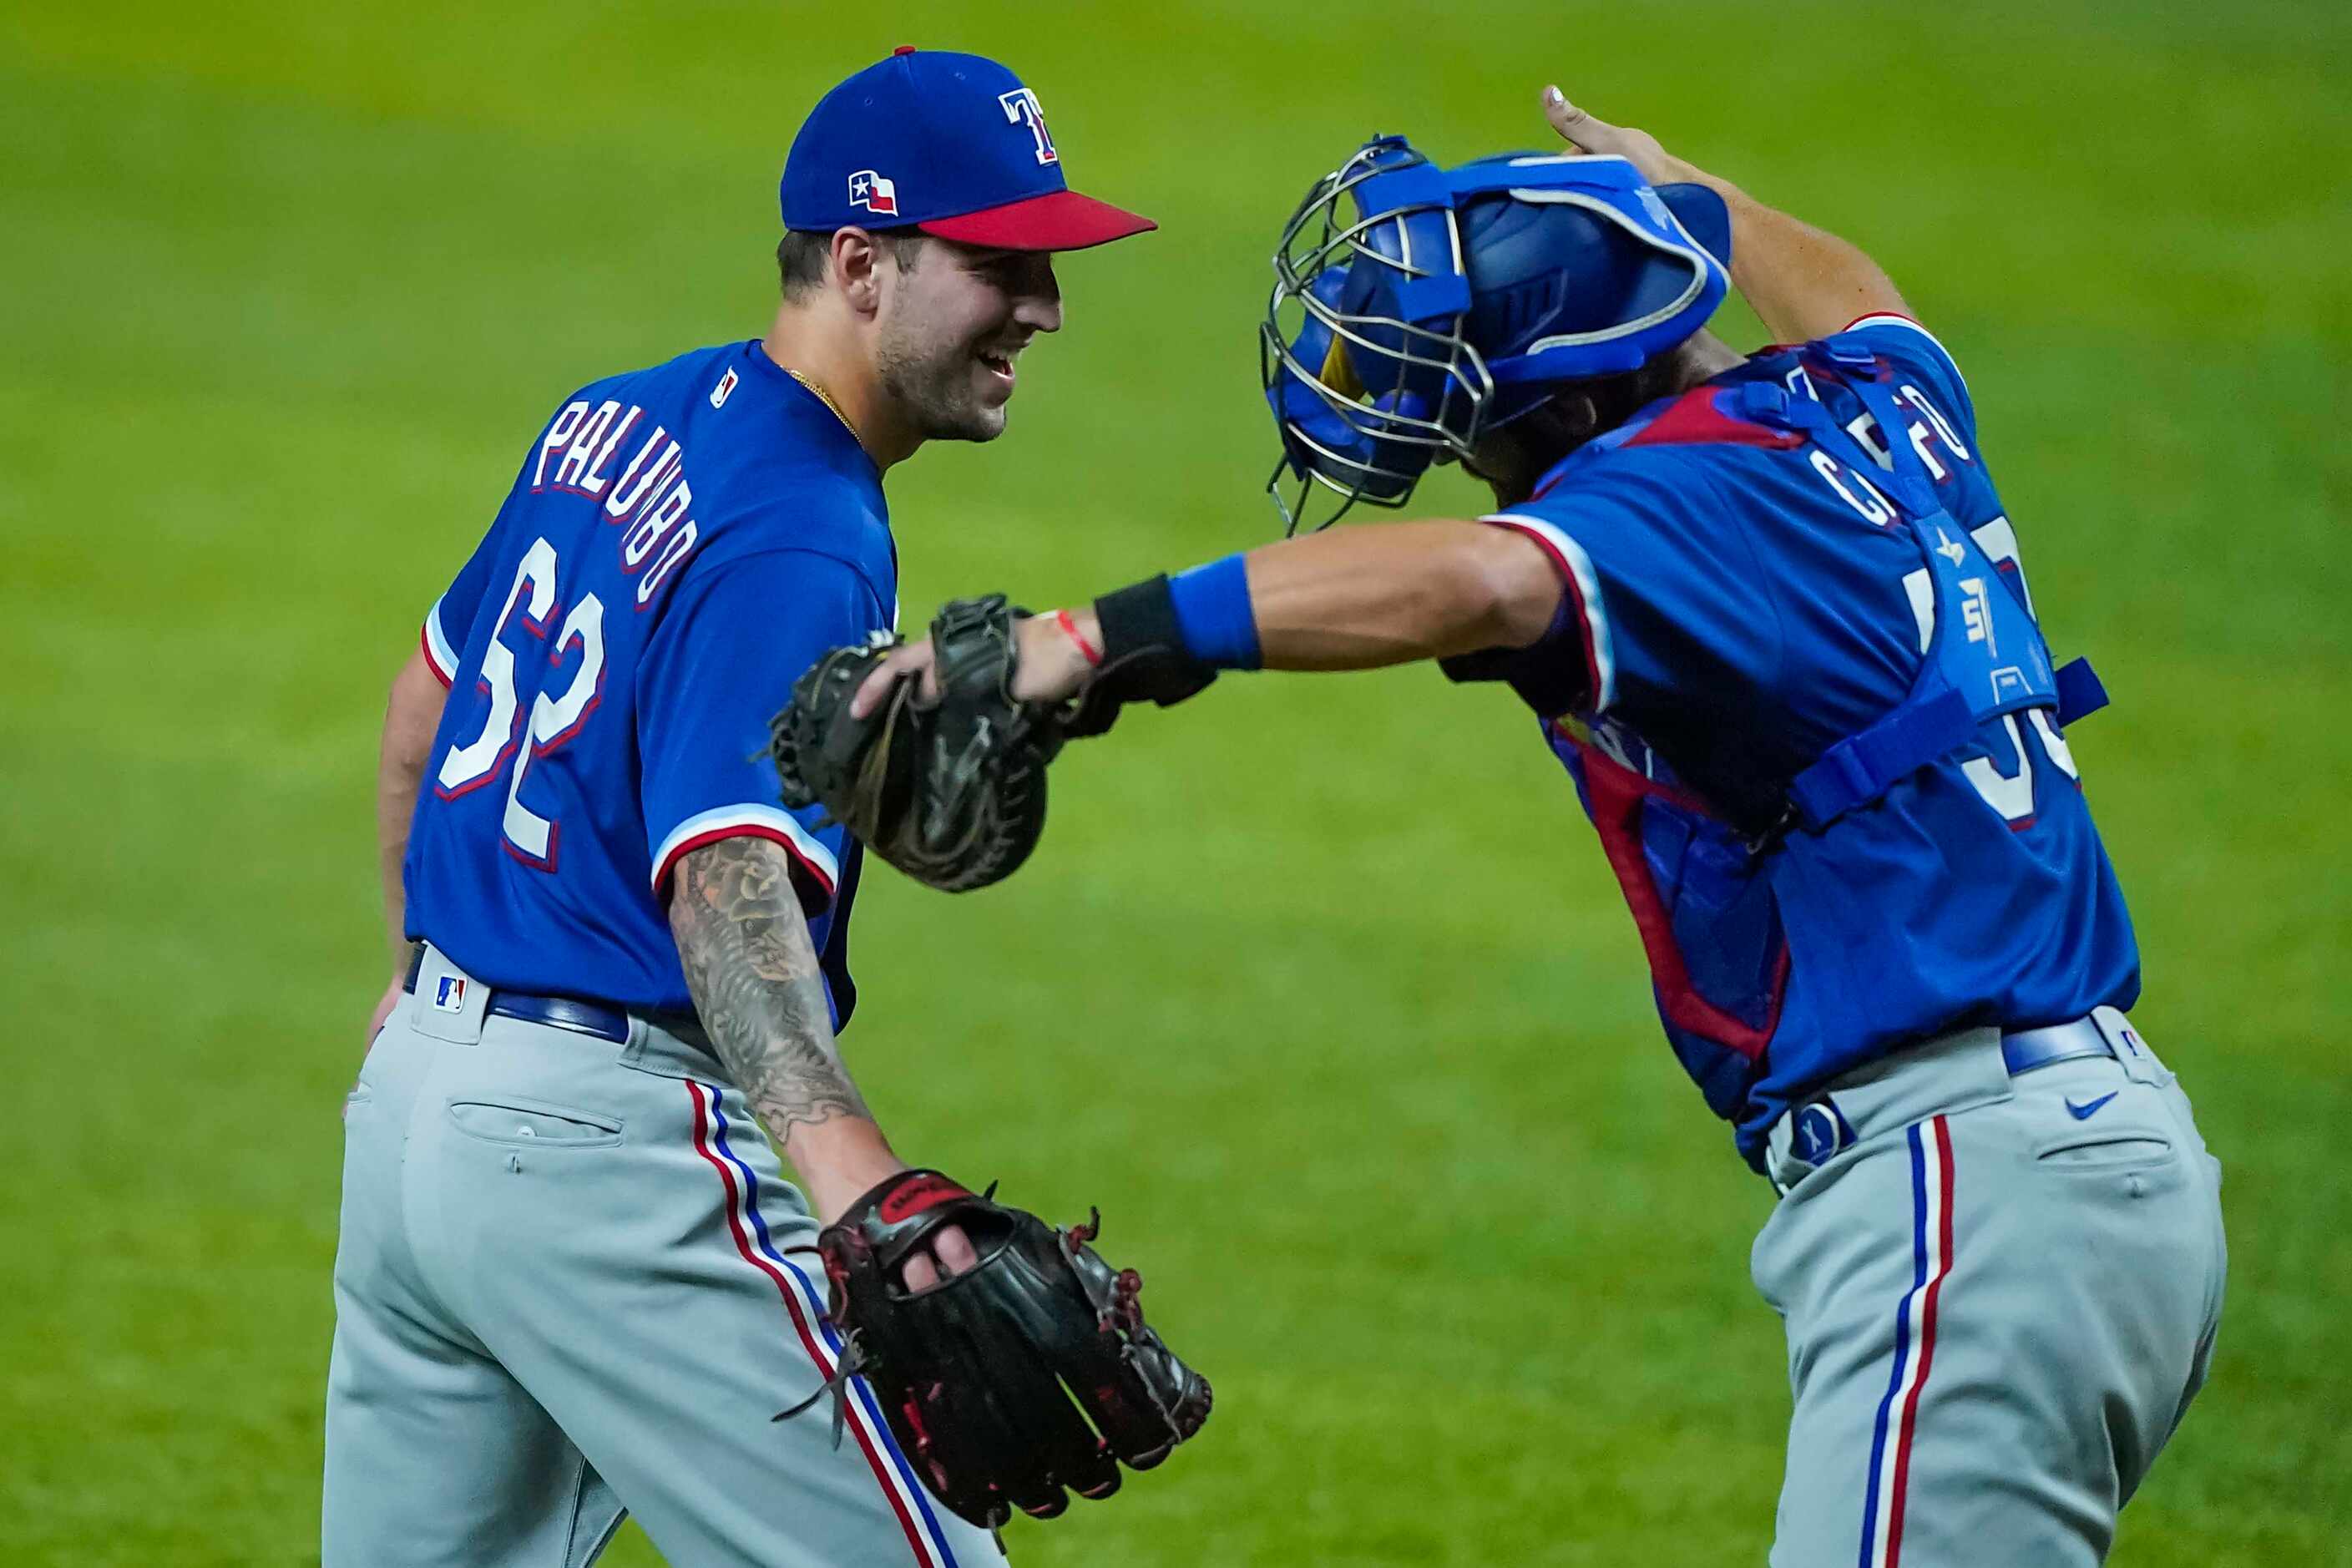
<point x="1059" y="220"/>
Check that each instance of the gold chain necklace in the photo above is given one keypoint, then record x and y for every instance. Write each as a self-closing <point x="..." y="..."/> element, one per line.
<point x="821" y="397"/>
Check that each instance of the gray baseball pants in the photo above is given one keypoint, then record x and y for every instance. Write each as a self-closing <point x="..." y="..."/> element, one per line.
<point x="2000" y="1298"/>
<point x="563" y="1292"/>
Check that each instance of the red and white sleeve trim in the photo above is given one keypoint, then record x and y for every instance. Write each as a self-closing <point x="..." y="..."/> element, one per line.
<point x="812" y="858"/>
<point x="1891" y="319"/>
<point x="1583" y="584"/>
<point x="438" y="654"/>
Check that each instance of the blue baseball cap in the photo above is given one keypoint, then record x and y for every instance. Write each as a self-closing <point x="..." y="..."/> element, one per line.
<point x="949" y="144"/>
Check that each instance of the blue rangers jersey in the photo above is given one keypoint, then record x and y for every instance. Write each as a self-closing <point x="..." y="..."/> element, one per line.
<point x="680" y="544"/>
<point x="1799" y="685"/>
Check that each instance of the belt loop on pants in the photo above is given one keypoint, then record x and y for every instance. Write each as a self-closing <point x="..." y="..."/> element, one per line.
<point x="557" y="1012"/>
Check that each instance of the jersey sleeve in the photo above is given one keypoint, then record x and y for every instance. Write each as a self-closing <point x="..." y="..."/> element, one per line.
<point x="723" y="660"/>
<point x="1664" y="602"/>
<point x="451" y="618"/>
<point x="1912" y="350"/>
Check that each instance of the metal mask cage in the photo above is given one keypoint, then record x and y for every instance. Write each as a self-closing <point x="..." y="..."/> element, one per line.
<point x="1386" y="449"/>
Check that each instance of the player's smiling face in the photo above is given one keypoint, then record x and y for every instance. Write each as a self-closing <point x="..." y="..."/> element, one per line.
<point x="952" y="333"/>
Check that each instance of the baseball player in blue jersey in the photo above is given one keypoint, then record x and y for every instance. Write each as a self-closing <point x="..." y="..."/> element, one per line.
<point x="1770" y="613"/>
<point x="568" y="1285"/>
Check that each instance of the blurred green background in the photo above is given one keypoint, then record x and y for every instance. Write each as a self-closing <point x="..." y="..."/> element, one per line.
<point x="1320" y="989"/>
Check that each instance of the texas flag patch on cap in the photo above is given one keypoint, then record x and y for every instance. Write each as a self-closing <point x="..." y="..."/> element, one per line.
<point x="875" y="194"/>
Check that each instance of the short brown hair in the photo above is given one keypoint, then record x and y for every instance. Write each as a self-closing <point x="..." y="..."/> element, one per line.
<point x="801" y="255"/>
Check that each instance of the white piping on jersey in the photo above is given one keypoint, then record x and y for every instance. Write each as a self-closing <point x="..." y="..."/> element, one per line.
<point x="1571" y="555"/>
<point x="765" y="821"/>
<point x="1890" y="318"/>
<point x="436" y="644"/>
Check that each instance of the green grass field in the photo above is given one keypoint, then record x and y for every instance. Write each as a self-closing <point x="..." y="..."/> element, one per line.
<point x="1320" y="989"/>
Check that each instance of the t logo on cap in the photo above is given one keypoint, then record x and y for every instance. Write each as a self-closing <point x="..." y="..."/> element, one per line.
<point x="1021" y="104"/>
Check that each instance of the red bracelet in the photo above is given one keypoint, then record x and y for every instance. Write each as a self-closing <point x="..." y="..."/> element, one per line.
<point x="1092" y="655"/>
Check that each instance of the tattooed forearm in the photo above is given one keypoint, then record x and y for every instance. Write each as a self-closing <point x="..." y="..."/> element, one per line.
<point x="753" y="974"/>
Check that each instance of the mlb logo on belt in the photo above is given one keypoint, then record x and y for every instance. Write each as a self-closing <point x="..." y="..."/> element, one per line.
<point x="449" y="994"/>
<point x="875" y="194"/>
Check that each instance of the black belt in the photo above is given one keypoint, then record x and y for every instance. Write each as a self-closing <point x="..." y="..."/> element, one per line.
<point x="556" y="1012"/>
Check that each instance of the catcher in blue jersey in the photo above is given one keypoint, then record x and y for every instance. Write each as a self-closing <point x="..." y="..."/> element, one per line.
<point x="572" y="1281"/>
<point x="1770" y="613"/>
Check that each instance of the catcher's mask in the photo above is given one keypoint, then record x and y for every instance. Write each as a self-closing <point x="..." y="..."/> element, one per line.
<point x="1452" y="302"/>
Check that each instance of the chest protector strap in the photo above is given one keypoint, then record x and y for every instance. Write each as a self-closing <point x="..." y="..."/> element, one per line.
<point x="1985" y="657"/>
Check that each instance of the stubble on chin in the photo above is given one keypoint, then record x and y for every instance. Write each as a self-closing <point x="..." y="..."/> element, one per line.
<point x="936" y="395"/>
<point x="970" y="423"/>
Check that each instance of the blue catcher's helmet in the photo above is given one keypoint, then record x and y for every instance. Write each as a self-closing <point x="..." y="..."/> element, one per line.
<point x="1454" y="300"/>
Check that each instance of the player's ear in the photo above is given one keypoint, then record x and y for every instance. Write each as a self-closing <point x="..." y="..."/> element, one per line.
<point x="1568" y="419"/>
<point x="857" y="257"/>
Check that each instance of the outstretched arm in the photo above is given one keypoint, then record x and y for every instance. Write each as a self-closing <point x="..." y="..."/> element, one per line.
<point x="1802" y="282"/>
<point x="1362" y="598"/>
<point x="1347" y="598"/>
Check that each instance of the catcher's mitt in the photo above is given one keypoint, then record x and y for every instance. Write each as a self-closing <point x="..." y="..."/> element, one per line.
<point x="984" y="1375"/>
<point x="953" y="795"/>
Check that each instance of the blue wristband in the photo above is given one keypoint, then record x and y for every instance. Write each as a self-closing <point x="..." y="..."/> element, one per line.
<point x="1213" y="613"/>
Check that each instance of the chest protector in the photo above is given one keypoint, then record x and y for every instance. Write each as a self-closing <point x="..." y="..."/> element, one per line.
<point x="1696" y="880"/>
<point x="1985" y="657"/>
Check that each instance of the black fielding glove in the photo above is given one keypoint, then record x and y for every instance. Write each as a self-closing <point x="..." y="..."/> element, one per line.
<point x="1029" y="1373"/>
<point x="953" y="794"/>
